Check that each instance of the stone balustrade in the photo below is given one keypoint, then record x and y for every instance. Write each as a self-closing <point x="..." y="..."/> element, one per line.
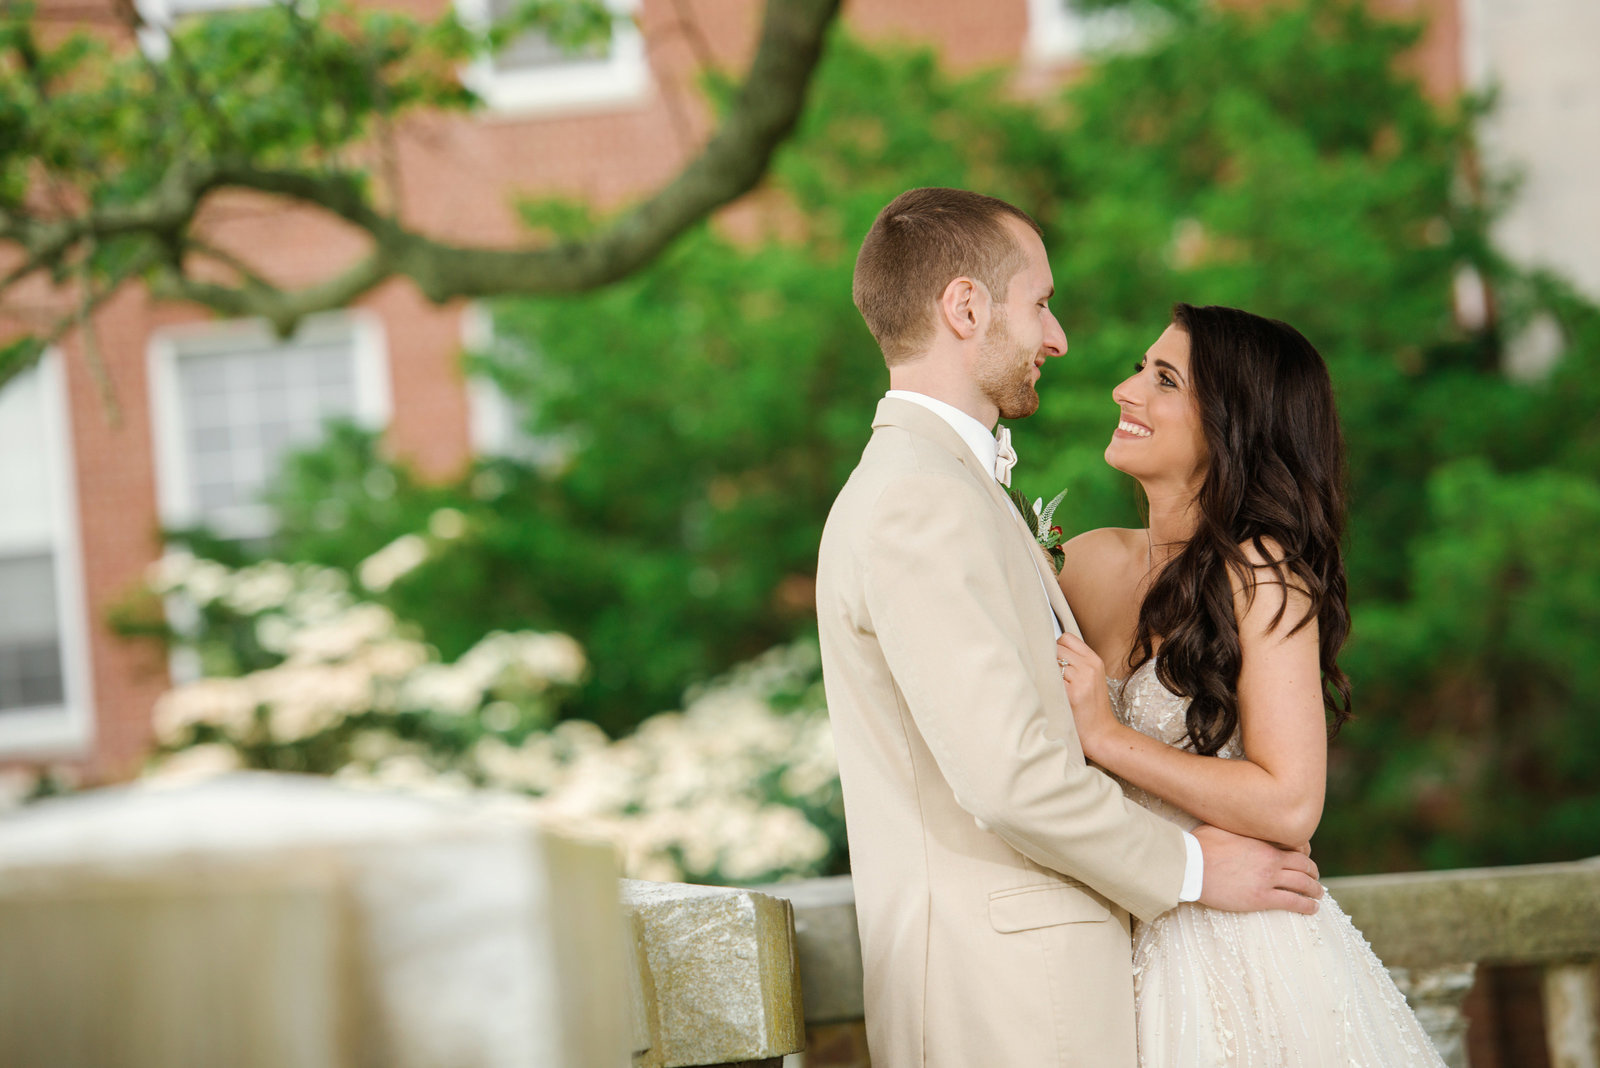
<point x="275" y="921"/>
<point x="266" y="921"/>
<point x="1432" y="929"/>
<point x="719" y="975"/>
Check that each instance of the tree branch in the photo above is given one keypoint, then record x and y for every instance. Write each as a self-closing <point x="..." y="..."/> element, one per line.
<point x="763" y="114"/>
<point x="22" y="353"/>
<point x="284" y="309"/>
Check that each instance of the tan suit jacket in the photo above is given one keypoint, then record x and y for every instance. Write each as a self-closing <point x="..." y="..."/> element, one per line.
<point x="994" y="870"/>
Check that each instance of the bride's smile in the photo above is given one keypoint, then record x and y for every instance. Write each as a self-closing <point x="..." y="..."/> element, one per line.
<point x="1158" y="402"/>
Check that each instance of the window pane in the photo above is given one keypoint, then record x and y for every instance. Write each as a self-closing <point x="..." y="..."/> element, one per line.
<point x="534" y="50"/>
<point x="248" y="401"/>
<point x="27" y="496"/>
<point x="30" y="647"/>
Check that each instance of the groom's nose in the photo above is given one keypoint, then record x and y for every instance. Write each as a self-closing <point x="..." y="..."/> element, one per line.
<point x="1055" y="339"/>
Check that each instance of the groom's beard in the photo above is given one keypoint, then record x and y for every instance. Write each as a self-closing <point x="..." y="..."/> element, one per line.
<point x="1004" y="371"/>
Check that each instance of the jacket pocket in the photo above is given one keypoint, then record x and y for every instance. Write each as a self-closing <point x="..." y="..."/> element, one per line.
<point x="1023" y="908"/>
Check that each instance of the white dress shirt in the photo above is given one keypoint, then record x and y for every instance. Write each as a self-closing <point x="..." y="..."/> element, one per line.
<point x="980" y="439"/>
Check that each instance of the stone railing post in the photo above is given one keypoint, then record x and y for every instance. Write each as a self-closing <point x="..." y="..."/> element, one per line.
<point x="1571" y="1012"/>
<point x="277" y="921"/>
<point x="718" y="976"/>
<point x="1436" y="996"/>
<point x="1423" y="925"/>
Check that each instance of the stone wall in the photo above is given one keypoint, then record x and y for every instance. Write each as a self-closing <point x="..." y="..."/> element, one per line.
<point x="1433" y="930"/>
<point x="276" y="921"/>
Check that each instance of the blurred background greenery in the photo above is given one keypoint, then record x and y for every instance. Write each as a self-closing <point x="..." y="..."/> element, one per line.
<point x="689" y="426"/>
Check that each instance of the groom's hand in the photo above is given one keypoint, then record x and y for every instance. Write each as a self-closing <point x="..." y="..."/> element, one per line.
<point x="1249" y="875"/>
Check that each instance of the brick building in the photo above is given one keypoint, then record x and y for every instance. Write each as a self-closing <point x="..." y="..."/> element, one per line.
<point x="203" y="408"/>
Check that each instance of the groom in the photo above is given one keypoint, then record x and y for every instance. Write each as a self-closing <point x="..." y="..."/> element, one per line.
<point x="994" y="870"/>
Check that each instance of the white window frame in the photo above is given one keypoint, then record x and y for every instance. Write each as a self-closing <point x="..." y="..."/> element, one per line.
<point x="491" y="419"/>
<point x="174" y="495"/>
<point x="494" y="423"/>
<point x="621" y="78"/>
<point x="66" y="729"/>
<point x="1057" y="36"/>
<point x="158" y="16"/>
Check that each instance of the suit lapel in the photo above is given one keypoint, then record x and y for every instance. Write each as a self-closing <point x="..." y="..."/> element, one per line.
<point x="920" y="421"/>
<point x="1041" y="562"/>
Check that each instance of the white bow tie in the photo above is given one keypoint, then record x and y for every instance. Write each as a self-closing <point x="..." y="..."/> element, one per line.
<point x="1005" y="457"/>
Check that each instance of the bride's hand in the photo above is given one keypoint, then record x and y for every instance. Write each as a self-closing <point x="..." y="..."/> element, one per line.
<point x="1084" y="675"/>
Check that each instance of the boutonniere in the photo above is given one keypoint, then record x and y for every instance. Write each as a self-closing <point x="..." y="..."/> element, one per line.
<point x="1049" y="537"/>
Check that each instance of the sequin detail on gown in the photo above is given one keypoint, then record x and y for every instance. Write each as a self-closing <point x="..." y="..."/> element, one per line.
<point x="1217" y="989"/>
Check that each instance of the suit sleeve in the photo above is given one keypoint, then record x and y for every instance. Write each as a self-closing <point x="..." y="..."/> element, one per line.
<point x="938" y="596"/>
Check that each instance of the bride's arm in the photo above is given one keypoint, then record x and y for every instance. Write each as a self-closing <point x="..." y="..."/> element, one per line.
<point x="1276" y="791"/>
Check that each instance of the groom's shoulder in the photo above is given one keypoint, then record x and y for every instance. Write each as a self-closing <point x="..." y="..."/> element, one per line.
<point x="899" y="465"/>
<point x="896" y="457"/>
<point x="899" y="450"/>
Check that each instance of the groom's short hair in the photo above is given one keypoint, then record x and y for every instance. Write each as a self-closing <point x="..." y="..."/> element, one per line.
<point x="921" y="242"/>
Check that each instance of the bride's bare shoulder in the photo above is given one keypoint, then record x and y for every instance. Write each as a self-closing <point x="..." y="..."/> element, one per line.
<point x="1098" y="553"/>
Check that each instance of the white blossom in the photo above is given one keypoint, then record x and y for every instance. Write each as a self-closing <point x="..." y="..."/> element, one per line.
<point x="340" y="636"/>
<point x="204" y="581"/>
<point x="447" y="524"/>
<point x="442" y="688"/>
<point x="194" y="764"/>
<point x="227" y="704"/>
<point x="413" y="774"/>
<point x="372" y="747"/>
<point x="719" y="789"/>
<point x="16" y="786"/>
<point x="167" y="574"/>
<point x="260" y="588"/>
<point x="386" y="566"/>
<point x="274" y="633"/>
<point x="532" y="767"/>
<point x="500" y="715"/>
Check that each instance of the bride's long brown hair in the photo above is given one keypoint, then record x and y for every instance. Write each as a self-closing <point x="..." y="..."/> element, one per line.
<point x="1276" y="470"/>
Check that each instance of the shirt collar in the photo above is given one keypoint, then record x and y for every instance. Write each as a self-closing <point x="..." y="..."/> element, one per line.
<point x="979" y="439"/>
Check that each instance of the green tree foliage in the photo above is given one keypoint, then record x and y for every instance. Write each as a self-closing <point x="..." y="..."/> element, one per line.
<point x="1277" y="160"/>
<point x="108" y="154"/>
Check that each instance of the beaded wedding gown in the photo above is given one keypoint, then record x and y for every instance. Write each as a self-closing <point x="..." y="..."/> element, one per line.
<point x="1219" y="989"/>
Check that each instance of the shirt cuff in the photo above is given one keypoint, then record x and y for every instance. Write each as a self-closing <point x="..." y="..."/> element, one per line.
<point x="1194" y="869"/>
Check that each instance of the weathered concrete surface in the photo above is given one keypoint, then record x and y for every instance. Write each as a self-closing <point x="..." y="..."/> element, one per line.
<point x="198" y="969"/>
<point x="1437" y="995"/>
<point x="1532" y="914"/>
<point x="829" y="946"/>
<point x="285" y="920"/>
<point x="1535" y="914"/>
<point x="720" y="976"/>
<point x="1572" y="1015"/>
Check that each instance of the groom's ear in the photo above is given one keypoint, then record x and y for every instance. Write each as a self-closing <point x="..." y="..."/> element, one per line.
<point x="964" y="306"/>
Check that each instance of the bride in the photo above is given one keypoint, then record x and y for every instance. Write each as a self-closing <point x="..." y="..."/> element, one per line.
<point x="1222" y="624"/>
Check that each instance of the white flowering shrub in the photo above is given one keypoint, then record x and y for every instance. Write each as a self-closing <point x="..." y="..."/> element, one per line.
<point x="23" y="783"/>
<point x="295" y="670"/>
<point x="299" y="672"/>
<point x="741" y="786"/>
